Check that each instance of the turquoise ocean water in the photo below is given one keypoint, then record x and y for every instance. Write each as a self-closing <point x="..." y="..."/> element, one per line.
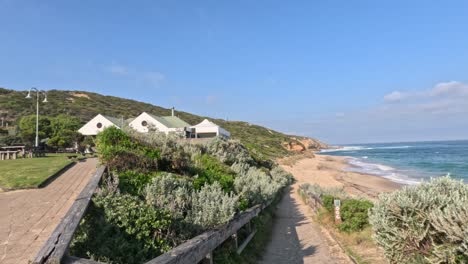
<point x="408" y="162"/>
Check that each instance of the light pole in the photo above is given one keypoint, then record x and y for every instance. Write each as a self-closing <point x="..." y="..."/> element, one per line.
<point x="38" y="93"/>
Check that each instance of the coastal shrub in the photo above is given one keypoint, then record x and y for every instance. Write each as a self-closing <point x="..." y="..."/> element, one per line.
<point x="281" y="176"/>
<point x="354" y="215"/>
<point x="209" y="169"/>
<point x="228" y="151"/>
<point x="137" y="218"/>
<point x="119" y="152"/>
<point x="133" y="183"/>
<point x="354" y="212"/>
<point x="317" y="191"/>
<point x="256" y="186"/>
<point x="121" y="228"/>
<point x="240" y="167"/>
<point x="172" y="150"/>
<point x="328" y="202"/>
<point x="426" y="221"/>
<point x="211" y="206"/>
<point x="99" y="240"/>
<point x="170" y="192"/>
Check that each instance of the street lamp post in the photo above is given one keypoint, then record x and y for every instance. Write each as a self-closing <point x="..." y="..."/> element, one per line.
<point x="38" y="93"/>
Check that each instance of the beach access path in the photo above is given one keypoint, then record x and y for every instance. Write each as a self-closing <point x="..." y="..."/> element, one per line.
<point x="297" y="238"/>
<point x="28" y="217"/>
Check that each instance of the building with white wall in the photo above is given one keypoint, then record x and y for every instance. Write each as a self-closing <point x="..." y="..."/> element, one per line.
<point x="208" y="129"/>
<point x="99" y="123"/>
<point x="146" y="122"/>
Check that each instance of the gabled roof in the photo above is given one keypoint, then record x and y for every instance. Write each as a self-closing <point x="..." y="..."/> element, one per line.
<point x="170" y="121"/>
<point x="116" y="121"/>
<point x="206" y="123"/>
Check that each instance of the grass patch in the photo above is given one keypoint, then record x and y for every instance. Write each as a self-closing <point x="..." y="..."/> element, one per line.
<point x="30" y="173"/>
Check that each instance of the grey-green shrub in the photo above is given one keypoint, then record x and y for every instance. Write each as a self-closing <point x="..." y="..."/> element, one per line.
<point x="169" y="192"/>
<point x="281" y="176"/>
<point x="256" y="186"/>
<point x="228" y="151"/>
<point x="240" y="167"/>
<point x="428" y="221"/>
<point x="211" y="206"/>
<point x="317" y="191"/>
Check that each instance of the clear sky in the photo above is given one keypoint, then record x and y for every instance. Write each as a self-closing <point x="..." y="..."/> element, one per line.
<point x="341" y="71"/>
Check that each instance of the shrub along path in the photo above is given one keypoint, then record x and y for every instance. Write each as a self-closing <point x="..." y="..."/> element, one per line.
<point x="28" y="217"/>
<point x="296" y="238"/>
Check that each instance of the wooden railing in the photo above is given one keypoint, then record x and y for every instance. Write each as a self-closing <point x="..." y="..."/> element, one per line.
<point x="201" y="248"/>
<point x="195" y="250"/>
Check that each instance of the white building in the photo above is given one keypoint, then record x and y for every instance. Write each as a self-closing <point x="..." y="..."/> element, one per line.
<point x="208" y="129"/>
<point x="144" y="122"/>
<point x="99" y="123"/>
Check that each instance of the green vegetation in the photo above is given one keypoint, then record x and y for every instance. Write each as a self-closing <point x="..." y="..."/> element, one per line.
<point x="263" y="143"/>
<point x="354" y="215"/>
<point x="354" y="233"/>
<point x="173" y="191"/>
<point x="354" y="212"/>
<point x="30" y="173"/>
<point x="426" y="223"/>
<point x="60" y="130"/>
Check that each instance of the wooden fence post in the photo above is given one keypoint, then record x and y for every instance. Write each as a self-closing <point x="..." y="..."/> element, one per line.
<point x="234" y="238"/>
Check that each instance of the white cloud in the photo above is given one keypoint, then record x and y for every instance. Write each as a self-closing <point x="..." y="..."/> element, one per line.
<point x="450" y="89"/>
<point x="394" y="96"/>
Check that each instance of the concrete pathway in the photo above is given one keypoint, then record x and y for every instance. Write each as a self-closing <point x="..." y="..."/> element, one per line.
<point x="297" y="239"/>
<point x="28" y="217"/>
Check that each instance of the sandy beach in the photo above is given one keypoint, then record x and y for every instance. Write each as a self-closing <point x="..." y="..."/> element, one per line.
<point x="329" y="171"/>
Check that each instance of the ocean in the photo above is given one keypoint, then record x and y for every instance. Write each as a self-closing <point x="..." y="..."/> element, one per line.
<point x="409" y="162"/>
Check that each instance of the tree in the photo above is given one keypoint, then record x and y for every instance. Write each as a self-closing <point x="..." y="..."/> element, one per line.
<point x="63" y="131"/>
<point x="27" y="126"/>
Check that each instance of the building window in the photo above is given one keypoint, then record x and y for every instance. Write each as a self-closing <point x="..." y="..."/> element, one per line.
<point x="144" y="123"/>
<point x="99" y="125"/>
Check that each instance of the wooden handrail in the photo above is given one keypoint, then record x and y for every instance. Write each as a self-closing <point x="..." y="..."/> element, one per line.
<point x="197" y="248"/>
<point x="55" y="248"/>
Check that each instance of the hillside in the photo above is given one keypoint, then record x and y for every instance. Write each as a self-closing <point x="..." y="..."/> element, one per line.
<point x="85" y="105"/>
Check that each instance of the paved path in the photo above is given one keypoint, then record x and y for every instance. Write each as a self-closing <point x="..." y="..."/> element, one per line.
<point x="297" y="239"/>
<point x="28" y="217"/>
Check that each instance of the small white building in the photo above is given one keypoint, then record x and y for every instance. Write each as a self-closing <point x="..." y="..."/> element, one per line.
<point x="167" y="124"/>
<point x="208" y="129"/>
<point x="99" y="123"/>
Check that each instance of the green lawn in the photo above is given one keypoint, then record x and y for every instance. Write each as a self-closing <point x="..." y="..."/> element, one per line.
<point x="29" y="173"/>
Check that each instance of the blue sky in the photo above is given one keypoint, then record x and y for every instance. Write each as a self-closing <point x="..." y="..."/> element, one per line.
<point x="341" y="71"/>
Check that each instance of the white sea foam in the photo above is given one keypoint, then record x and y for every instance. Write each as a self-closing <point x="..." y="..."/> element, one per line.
<point x="357" y="148"/>
<point x="380" y="170"/>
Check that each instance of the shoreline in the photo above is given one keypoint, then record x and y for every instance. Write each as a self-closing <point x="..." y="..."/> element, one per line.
<point x="330" y="172"/>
